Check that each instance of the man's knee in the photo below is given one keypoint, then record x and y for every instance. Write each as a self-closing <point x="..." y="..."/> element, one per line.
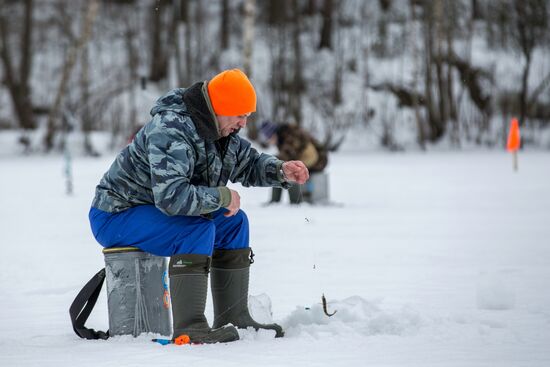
<point x="232" y="232"/>
<point x="241" y="219"/>
<point x="199" y="241"/>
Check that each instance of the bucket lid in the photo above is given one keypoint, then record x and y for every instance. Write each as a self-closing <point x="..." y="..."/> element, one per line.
<point x="118" y="250"/>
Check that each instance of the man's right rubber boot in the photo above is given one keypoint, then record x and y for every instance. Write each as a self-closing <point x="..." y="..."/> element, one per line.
<point x="295" y="194"/>
<point x="188" y="287"/>
<point x="230" y="278"/>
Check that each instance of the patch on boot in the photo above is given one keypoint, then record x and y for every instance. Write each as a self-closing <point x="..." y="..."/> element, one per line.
<point x="182" y="263"/>
<point x="189" y="263"/>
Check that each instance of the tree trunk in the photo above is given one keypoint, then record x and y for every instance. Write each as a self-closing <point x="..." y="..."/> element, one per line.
<point x="176" y="40"/>
<point x="133" y="62"/>
<point x="198" y="68"/>
<point x="276" y="12"/>
<point x="295" y="94"/>
<point x="364" y="65"/>
<point x="338" y="63"/>
<point x="524" y="90"/>
<point x="70" y="60"/>
<point x="310" y="8"/>
<point x="87" y="121"/>
<point x="441" y="86"/>
<point x="278" y="39"/>
<point x="428" y="72"/>
<point x="476" y="14"/>
<point x="18" y="82"/>
<point x="159" y="60"/>
<point x="248" y="35"/>
<point x="276" y="72"/>
<point x="434" y="121"/>
<point x="421" y="136"/>
<point x="26" y="42"/>
<point x="248" y="42"/>
<point x="224" y="26"/>
<point x="453" y="114"/>
<point x="326" y="28"/>
<point x="182" y="44"/>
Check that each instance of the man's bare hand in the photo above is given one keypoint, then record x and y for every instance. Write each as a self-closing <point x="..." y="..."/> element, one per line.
<point x="296" y="171"/>
<point x="234" y="205"/>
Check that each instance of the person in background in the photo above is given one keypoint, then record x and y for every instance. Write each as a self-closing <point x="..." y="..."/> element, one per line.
<point x="166" y="194"/>
<point x="294" y="143"/>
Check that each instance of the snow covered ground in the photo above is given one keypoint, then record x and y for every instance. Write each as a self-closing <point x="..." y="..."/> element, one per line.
<point x="438" y="259"/>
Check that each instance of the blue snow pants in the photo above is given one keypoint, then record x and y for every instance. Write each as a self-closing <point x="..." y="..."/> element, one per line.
<point x="152" y="231"/>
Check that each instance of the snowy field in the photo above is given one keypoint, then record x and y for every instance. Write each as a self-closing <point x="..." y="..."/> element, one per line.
<point x="438" y="259"/>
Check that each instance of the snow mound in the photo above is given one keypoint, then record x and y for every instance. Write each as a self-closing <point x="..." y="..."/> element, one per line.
<point x="495" y="291"/>
<point x="354" y="315"/>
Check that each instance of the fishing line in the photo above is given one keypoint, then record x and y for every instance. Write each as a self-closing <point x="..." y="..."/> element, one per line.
<point x="314" y="267"/>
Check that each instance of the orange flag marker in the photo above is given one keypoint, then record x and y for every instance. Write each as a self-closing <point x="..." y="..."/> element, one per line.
<point x="514" y="141"/>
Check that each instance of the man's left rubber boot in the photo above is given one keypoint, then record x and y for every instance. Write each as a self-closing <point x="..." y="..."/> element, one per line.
<point x="229" y="276"/>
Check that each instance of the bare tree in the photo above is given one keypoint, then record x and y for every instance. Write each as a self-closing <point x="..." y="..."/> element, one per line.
<point x="530" y="27"/>
<point x="297" y="85"/>
<point x="224" y="26"/>
<point x="86" y="115"/>
<point x="476" y="13"/>
<point x="435" y="127"/>
<point x="182" y="43"/>
<point x="133" y="62"/>
<point x="249" y="25"/>
<point x="17" y="81"/>
<point x="441" y="80"/>
<point x="416" y="100"/>
<point x="158" y="57"/>
<point x="70" y="61"/>
<point x="327" y="13"/>
<point x="277" y="20"/>
<point x="453" y="112"/>
<point x="198" y="46"/>
<point x="380" y="46"/>
<point x="248" y="35"/>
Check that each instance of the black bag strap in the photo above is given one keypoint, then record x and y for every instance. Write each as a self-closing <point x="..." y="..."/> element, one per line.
<point x="83" y="305"/>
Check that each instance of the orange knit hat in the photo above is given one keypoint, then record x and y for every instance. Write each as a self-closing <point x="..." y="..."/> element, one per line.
<point x="231" y="93"/>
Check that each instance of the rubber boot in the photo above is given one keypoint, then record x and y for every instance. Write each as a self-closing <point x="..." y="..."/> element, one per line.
<point x="295" y="194"/>
<point x="229" y="280"/>
<point x="276" y="194"/>
<point x="188" y="287"/>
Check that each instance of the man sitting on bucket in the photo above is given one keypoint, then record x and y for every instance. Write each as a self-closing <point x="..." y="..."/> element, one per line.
<point x="166" y="194"/>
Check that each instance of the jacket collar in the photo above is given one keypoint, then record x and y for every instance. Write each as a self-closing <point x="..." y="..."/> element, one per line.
<point x="198" y="105"/>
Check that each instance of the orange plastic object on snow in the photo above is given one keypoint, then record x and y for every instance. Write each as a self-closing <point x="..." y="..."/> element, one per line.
<point x="182" y="339"/>
<point x="514" y="138"/>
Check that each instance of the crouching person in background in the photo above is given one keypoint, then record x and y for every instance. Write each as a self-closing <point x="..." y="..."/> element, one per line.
<point x="294" y="143"/>
<point x="166" y="194"/>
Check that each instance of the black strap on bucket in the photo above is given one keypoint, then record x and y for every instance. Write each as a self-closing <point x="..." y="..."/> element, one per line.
<point x="83" y="305"/>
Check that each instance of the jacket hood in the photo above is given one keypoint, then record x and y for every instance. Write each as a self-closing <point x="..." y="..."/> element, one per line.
<point x="193" y="102"/>
<point x="171" y="101"/>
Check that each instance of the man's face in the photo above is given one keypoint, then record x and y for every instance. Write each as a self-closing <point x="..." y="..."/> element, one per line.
<point x="230" y="124"/>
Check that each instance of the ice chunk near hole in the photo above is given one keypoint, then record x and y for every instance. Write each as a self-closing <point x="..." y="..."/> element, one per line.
<point x="260" y="308"/>
<point x="495" y="291"/>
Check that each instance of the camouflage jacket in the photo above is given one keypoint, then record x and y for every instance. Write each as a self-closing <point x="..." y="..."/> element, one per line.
<point x="179" y="162"/>
<point x="294" y="143"/>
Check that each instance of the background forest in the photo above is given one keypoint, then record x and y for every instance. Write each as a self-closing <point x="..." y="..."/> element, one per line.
<point x="396" y="74"/>
<point x="433" y="256"/>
